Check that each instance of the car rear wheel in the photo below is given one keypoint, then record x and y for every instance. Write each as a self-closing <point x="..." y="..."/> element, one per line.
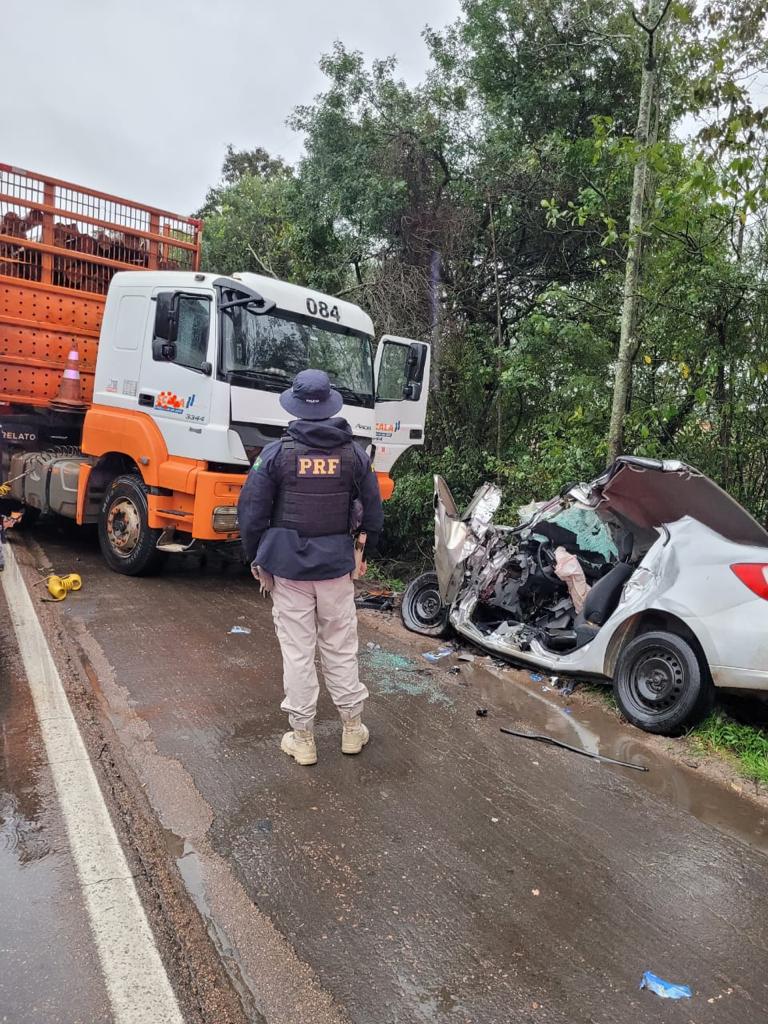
<point x="659" y="684"/>
<point x="128" y="543"/>
<point x="422" y="608"/>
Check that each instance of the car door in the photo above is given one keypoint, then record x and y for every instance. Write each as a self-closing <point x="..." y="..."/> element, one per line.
<point x="402" y="390"/>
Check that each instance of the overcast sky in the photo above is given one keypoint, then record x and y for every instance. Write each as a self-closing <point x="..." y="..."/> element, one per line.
<point x="140" y="97"/>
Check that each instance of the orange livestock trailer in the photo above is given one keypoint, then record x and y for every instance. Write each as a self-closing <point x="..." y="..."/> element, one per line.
<point x="60" y="245"/>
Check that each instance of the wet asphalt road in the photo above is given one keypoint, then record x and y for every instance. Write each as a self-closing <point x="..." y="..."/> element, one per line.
<point x="448" y="873"/>
<point x="49" y="970"/>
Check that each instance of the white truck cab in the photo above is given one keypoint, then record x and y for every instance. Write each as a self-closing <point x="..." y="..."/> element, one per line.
<point x="207" y="356"/>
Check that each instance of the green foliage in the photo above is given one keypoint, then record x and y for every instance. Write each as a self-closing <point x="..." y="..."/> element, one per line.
<point x="747" y="745"/>
<point x="486" y="209"/>
<point x="382" y="572"/>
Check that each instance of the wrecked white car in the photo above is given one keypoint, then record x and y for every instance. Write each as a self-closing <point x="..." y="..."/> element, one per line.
<point x="650" y="575"/>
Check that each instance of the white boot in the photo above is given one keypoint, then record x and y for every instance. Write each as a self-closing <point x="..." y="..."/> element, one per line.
<point x="300" y="744"/>
<point x="354" y="735"/>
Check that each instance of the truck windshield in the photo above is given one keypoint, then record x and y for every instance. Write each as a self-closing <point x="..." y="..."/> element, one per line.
<point x="267" y="351"/>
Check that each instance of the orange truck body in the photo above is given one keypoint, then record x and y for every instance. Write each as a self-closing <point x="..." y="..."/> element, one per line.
<point x="60" y="245"/>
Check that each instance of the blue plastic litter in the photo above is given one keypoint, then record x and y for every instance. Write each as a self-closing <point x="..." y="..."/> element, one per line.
<point x="535" y="677"/>
<point x="665" y="989"/>
<point x="441" y="652"/>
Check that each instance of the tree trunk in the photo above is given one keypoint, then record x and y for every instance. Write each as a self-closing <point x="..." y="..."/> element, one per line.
<point x="628" y="338"/>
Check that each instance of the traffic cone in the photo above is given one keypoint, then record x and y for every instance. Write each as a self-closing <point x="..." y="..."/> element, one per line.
<point x="69" y="389"/>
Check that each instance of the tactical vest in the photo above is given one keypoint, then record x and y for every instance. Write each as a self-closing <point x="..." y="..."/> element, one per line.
<point x="316" y="489"/>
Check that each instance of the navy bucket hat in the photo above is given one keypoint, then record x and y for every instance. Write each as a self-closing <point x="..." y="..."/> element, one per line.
<point x="311" y="396"/>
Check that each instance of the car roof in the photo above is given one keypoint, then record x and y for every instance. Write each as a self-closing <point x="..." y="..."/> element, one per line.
<point x="652" y="492"/>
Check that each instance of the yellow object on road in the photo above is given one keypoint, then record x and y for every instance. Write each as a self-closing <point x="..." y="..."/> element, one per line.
<point x="60" y="586"/>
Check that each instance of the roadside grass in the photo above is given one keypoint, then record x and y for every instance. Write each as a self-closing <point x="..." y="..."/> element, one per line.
<point x="744" y="744"/>
<point x="383" y="572"/>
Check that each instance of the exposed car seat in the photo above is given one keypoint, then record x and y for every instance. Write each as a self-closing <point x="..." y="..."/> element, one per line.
<point x="602" y="599"/>
<point x="600" y="603"/>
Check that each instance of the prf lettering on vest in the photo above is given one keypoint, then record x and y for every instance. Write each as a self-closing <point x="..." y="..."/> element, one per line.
<point x="318" y="465"/>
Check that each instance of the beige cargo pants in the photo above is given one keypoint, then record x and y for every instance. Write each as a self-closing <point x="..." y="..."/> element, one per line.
<point x="317" y="612"/>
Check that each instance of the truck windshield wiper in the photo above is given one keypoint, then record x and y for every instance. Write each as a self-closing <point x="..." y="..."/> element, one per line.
<point x="273" y="376"/>
<point x="350" y="396"/>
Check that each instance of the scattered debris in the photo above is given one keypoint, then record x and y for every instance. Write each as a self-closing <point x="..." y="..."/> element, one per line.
<point x="454" y="670"/>
<point x="240" y="629"/>
<point x="372" y="646"/>
<point x="495" y="820"/>
<point x="60" y="586"/>
<point x="535" y="892"/>
<point x="481" y="712"/>
<point x="464" y="656"/>
<point x="397" y="675"/>
<point x="714" y="999"/>
<point x="576" y="750"/>
<point x="438" y="653"/>
<point x="535" y="677"/>
<point x="665" y="989"/>
<point x="378" y="600"/>
<point x="264" y="825"/>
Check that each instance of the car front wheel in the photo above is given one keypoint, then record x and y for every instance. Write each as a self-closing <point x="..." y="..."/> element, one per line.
<point x="422" y="609"/>
<point x="659" y="684"/>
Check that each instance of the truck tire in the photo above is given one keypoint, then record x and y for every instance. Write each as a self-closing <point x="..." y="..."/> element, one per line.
<point x="660" y="686"/>
<point x="128" y="543"/>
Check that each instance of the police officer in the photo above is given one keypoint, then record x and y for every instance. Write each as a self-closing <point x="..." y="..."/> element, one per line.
<point x="298" y="510"/>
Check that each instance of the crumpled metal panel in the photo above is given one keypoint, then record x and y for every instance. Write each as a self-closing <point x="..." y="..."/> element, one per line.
<point x="457" y="536"/>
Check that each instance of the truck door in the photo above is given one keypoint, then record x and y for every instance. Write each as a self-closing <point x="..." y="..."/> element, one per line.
<point x="177" y="370"/>
<point x="402" y="389"/>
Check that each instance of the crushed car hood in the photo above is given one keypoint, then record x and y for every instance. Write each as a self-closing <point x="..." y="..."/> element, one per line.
<point x="652" y="493"/>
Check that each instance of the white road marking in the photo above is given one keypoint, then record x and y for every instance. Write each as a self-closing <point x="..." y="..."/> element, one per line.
<point x="138" y="987"/>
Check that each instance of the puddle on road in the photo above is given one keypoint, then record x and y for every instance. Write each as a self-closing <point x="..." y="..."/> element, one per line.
<point x="524" y="703"/>
<point x="190" y="868"/>
<point x="517" y="700"/>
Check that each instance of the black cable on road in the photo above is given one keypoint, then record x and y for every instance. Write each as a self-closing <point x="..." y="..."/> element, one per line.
<point x="576" y="750"/>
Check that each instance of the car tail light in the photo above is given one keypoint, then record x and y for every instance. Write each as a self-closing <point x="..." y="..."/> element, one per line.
<point x="753" y="575"/>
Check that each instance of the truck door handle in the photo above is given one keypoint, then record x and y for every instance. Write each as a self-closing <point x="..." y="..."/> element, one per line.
<point x="145" y="399"/>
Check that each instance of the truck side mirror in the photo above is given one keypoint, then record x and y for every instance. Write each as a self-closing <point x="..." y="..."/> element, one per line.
<point x="414" y="372"/>
<point x="163" y="351"/>
<point x="166" y="317"/>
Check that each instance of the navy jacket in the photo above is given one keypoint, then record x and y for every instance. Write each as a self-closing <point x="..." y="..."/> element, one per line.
<point x="284" y="552"/>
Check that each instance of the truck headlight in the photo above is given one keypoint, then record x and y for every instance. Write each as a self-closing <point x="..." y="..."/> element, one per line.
<point x="225" y="519"/>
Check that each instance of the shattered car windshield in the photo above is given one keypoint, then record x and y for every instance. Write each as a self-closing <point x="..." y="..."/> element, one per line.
<point x="592" y="534"/>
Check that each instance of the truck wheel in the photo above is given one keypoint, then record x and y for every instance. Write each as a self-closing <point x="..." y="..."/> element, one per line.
<point x="660" y="686"/>
<point x="127" y="542"/>
<point x="422" y="610"/>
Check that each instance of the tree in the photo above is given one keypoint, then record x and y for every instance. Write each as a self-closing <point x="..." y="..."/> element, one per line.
<point x="643" y="136"/>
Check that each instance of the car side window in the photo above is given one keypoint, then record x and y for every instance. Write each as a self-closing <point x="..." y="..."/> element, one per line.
<point x="193" y="329"/>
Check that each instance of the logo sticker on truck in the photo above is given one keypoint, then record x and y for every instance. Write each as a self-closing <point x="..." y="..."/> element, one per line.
<point x="169" y="401"/>
<point x="387" y="429"/>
